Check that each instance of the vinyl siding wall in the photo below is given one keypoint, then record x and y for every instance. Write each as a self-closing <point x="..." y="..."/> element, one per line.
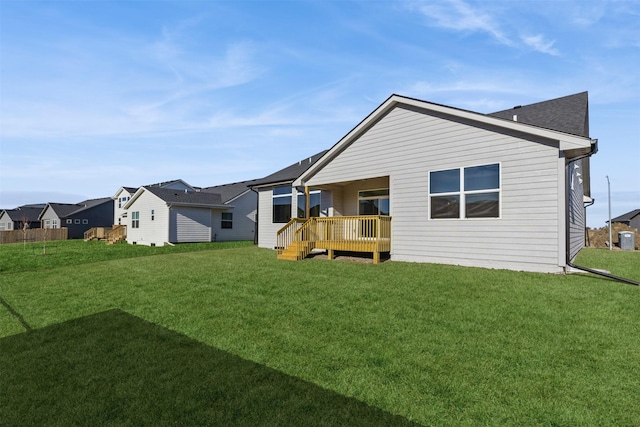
<point x="189" y="225"/>
<point x="118" y="211"/>
<point x="577" y="213"/>
<point x="244" y="219"/>
<point x="406" y="144"/>
<point x="5" y="222"/>
<point x="150" y="232"/>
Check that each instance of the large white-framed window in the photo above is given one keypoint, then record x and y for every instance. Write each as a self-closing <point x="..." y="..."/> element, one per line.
<point x="282" y="204"/>
<point x="464" y="193"/>
<point x="314" y="203"/>
<point x="373" y="202"/>
<point x="135" y="219"/>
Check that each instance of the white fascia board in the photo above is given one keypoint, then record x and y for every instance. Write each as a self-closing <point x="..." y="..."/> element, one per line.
<point x="134" y="197"/>
<point x="566" y="141"/>
<point x="198" y="205"/>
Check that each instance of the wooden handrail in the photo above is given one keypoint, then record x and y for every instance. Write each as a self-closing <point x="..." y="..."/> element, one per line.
<point x="285" y="235"/>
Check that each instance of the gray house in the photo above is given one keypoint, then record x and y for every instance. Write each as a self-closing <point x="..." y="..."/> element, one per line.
<point x="239" y="221"/>
<point x="78" y="217"/>
<point x="279" y="202"/>
<point x="431" y="183"/>
<point x="15" y="219"/>
<point x="632" y="219"/>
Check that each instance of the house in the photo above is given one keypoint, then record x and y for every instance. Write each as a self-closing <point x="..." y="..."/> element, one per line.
<point x="276" y="204"/>
<point x="632" y="219"/>
<point x="124" y="194"/>
<point x="157" y="216"/>
<point x="15" y="219"/>
<point x="78" y="217"/>
<point x="432" y="183"/>
<point x="238" y="222"/>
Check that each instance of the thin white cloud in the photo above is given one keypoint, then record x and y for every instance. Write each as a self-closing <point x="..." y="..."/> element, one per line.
<point x="460" y="16"/>
<point x="539" y="44"/>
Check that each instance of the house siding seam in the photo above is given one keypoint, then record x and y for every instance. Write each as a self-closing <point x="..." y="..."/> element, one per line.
<point x="405" y="145"/>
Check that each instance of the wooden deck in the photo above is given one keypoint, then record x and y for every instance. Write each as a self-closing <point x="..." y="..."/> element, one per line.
<point x="363" y="233"/>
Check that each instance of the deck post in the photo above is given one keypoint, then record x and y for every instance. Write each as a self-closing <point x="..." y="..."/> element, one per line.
<point x="376" y="257"/>
<point x="307" y="202"/>
<point x="329" y="254"/>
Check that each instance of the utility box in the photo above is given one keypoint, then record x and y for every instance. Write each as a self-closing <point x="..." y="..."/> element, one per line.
<point x="626" y="240"/>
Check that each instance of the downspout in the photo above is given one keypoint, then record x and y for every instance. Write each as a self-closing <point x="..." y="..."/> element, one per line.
<point x="255" y="234"/>
<point x="594" y="149"/>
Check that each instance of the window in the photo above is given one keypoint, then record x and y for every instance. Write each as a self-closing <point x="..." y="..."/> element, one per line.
<point x="472" y="192"/>
<point x="153" y="214"/>
<point x="120" y="202"/>
<point x="75" y="221"/>
<point x="47" y="223"/>
<point x="373" y="202"/>
<point x="69" y="221"/>
<point x="85" y="221"/>
<point x="281" y="204"/>
<point x="135" y="219"/>
<point x="314" y="204"/>
<point x="227" y="220"/>
<point x="54" y="223"/>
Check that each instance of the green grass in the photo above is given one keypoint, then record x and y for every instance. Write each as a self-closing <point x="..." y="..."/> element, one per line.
<point x="35" y="256"/>
<point x="437" y="345"/>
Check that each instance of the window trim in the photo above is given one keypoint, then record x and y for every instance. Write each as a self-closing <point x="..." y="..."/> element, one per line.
<point x="281" y="196"/>
<point x="226" y="223"/>
<point x="135" y="219"/>
<point x="461" y="193"/>
<point x="375" y="197"/>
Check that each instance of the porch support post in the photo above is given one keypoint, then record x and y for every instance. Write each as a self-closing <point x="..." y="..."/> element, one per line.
<point x="307" y="202"/>
<point x="376" y="257"/>
<point x="330" y="254"/>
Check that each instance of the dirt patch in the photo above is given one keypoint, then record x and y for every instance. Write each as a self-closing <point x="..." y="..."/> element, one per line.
<point x="599" y="237"/>
<point x="357" y="257"/>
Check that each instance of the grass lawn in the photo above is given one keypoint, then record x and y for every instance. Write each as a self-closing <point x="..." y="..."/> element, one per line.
<point x="235" y="337"/>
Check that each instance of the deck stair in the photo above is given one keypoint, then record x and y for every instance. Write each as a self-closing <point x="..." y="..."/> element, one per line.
<point x="117" y="234"/>
<point x="296" y="251"/>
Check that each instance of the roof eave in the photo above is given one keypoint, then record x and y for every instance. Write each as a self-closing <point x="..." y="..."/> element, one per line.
<point x="566" y="141"/>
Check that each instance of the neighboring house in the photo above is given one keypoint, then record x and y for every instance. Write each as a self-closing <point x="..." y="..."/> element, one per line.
<point x="156" y="216"/>
<point x="632" y="219"/>
<point x="124" y="194"/>
<point x="14" y="219"/>
<point x="276" y="201"/>
<point x="432" y="183"/>
<point x="78" y="217"/>
<point x="238" y="223"/>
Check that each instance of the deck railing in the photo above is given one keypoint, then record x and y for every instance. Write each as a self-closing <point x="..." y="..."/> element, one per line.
<point x="286" y="235"/>
<point x="362" y="233"/>
<point x="96" y="233"/>
<point x="117" y="234"/>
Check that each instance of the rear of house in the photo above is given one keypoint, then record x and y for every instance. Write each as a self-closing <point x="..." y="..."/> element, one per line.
<point x="458" y="187"/>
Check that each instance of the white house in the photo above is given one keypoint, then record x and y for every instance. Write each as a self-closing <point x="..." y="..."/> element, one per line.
<point x="432" y="183"/>
<point x="239" y="221"/>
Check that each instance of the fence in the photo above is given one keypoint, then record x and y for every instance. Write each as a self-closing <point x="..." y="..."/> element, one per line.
<point x="33" y="235"/>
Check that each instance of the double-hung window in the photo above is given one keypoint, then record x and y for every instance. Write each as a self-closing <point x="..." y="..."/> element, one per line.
<point x="471" y="192"/>
<point x="227" y="220"/>
<point x="281" y="204"/>
<point x="135" y="219"/>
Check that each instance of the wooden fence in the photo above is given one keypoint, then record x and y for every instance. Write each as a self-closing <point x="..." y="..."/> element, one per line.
<point x="33" y="235"/>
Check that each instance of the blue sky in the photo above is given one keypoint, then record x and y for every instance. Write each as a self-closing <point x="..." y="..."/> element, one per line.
<point x="95" y="95"/>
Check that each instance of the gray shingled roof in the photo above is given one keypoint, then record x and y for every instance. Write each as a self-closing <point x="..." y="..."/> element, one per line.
<point x="229" y="191"/>
<point x="22" y="213"/>
<point x="567" y="114"/>
<point x="63" y="210"/>
<point x="627" y="217"/>
<point x="182" y="198"/>
<point x="289" y="173"/>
